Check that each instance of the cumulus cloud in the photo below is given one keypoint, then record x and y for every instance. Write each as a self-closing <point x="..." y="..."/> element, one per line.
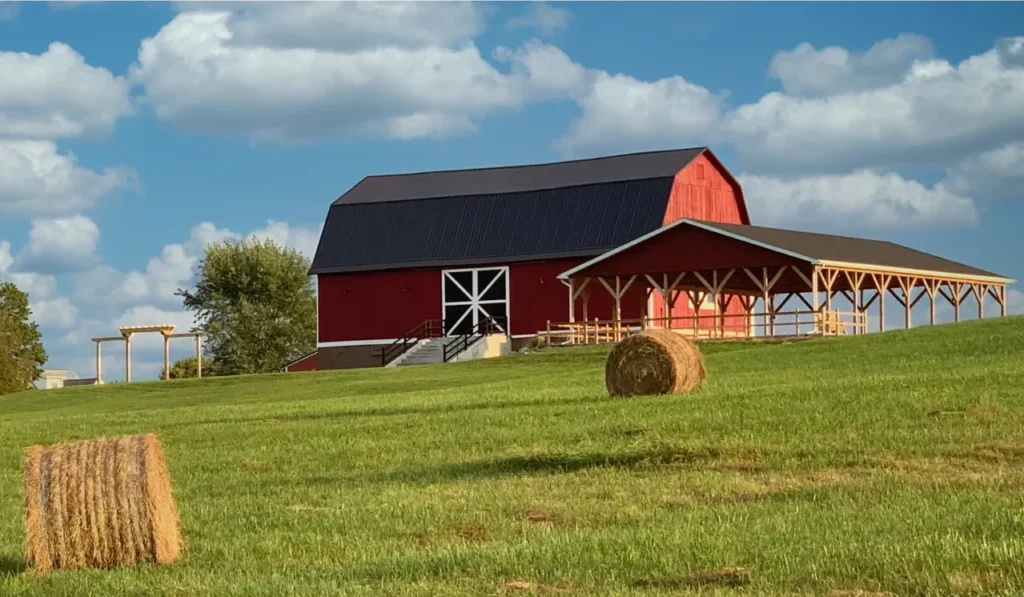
<point x="935" y="115"/>
<point x="58" y="95"/>
<point x="36" y="179"/>
<point x="60" y="245"/>
<point x="998" y="173"/>
<point x="862" y="198"/>
<point x="1014" y="302"/>
<point x="38" y="286"/>
<point x="347" y="26"/>
<point x="624" y="112"/>
<point x="196" y="76"/>
<point x="543" y="17"/>
<point x="805" y="70"/>
<point x="54" y="314"/>
<point x="6" y="258"/>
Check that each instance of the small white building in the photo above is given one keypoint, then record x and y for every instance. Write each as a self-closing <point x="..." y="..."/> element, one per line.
<point x="54" y="378"/>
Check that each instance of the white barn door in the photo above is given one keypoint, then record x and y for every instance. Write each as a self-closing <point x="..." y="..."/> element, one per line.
<point x="470" y="296"/>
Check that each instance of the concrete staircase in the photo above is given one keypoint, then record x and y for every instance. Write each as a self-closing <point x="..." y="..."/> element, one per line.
<point x="426" y="352"/>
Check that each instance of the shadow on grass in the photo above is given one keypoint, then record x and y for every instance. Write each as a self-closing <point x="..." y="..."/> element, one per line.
<point x="10" y="566"/>
<point x="554" y="464"/>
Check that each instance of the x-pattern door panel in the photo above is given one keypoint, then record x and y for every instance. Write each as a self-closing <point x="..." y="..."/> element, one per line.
<point x="472" y="295"/>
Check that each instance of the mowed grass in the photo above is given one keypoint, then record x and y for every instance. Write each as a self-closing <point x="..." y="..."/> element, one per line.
<point x="888" y="464"/>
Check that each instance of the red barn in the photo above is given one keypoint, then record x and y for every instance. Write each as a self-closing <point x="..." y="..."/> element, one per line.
<point x="465" y="246"/>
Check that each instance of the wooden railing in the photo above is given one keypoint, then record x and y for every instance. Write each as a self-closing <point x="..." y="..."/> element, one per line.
<point x="724" y="326"/>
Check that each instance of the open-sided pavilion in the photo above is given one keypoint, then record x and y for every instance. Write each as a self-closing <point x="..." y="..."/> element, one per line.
<point x="764" y="270"/>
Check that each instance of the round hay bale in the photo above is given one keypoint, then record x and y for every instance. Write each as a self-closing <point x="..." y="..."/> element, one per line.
<point x="99" y="503"/>
<point x="652" y="362"/>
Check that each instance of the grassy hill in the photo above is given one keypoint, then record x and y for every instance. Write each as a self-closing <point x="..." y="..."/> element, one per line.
<point x="886" y="463"/>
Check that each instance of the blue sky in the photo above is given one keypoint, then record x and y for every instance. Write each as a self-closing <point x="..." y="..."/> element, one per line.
<point x="151" y="129"/>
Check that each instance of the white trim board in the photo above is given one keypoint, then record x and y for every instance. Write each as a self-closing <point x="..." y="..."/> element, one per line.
<point x="356" y="343"/>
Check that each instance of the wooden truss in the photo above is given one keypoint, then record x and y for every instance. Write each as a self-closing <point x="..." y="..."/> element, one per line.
<point x="167" y="331"/>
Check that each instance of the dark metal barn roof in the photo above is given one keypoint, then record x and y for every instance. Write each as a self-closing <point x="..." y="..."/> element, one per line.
<point x="829" y="247"/>
<point x="579" y="208"/>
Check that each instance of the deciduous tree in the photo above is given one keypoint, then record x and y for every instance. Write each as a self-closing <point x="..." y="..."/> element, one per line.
<point x="256" y="302"/>
<point x="21" y="348"/>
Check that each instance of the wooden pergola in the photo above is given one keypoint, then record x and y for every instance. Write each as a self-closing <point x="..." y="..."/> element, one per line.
<point x="739" y="268"/>
<point x="167" y="331"/>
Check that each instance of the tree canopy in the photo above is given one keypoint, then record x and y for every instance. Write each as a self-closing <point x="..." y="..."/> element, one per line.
<point x="189" y="367"/>
<point x="21" y="348"/>
<point x="256" y="303"/>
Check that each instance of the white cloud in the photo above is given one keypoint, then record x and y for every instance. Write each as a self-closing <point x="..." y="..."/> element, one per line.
<point x="543" y="17"/>
<point x="68" y="4"/>
<point x="998" y="173"/>
<point x="862" y="198"/>
<point x="35" y="179"/>
<point x="197" y="76"/>
<point x="628" y="114"/>
<point x="8" y="11"/>
<point x="347" y="26"/>
<point x="1014" y="302"/>
<point x="54" y="314"/>
<point x="6" y="258"/>
<point x="38" y="286"/>
<point x="58" y="95"/>
<point x="302" y="239"/>
<point x="935" y="115"/>
<point x="60" y="245"/>
<point x="805" y="70"/>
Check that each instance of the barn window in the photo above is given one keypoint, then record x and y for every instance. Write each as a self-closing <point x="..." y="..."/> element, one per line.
<point x="700" y="171"/>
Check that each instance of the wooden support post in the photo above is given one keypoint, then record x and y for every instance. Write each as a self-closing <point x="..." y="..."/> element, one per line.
<point x="572" y="300"/>
<point x="199" y="356"/>
<point x="979" y="291"/>
<point x="881" y="287"/>
<point x="547" y="336"/>
<point x="99" y="364"/>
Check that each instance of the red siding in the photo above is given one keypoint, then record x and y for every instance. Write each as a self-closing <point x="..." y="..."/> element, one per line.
<point x="307" y="363"/>
<point x="376" y="305"/>
<point x="538" y="296"/>
<point x="703" y="191"/>
<point x="687" y="248"/>
<point x="386" y="305"/>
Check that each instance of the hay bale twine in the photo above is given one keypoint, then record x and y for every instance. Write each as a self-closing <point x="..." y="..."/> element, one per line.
<point x="99" y="503"/>
<point x="654" y="361"/>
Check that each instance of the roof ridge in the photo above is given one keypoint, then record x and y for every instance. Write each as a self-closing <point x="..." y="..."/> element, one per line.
<point x="560" y="187"/>
<point x="534" y="165"/>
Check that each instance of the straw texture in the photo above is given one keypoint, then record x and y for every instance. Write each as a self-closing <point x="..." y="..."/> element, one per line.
<point x="99" y="503"/>
<point x="654" y="362"/>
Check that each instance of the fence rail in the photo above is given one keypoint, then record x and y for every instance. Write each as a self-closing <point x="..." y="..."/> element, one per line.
<point x="723" y="326"/>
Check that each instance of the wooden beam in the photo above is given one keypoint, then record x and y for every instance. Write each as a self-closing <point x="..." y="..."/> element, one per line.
<point x="99" y="364"/>
<point x="579" y="290"/>
<point x="882" y="282"/>
<point x="199" y="356"/>
<point x="128" y="358"/>
<point x="167" y="358"/>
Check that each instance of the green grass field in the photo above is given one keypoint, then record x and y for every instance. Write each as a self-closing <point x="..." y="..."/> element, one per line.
<point x="891" y="463"/>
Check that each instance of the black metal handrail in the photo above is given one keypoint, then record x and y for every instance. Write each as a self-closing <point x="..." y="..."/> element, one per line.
<point x="462" y="342"/>
<point x="430" y="328"/>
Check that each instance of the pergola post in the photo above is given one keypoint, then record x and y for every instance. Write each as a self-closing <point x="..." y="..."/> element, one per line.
<point x="199" y="356"/>
<point x="127" y="358"/>
<point x="99" y="363"/>
<point x="167" y="357"/>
